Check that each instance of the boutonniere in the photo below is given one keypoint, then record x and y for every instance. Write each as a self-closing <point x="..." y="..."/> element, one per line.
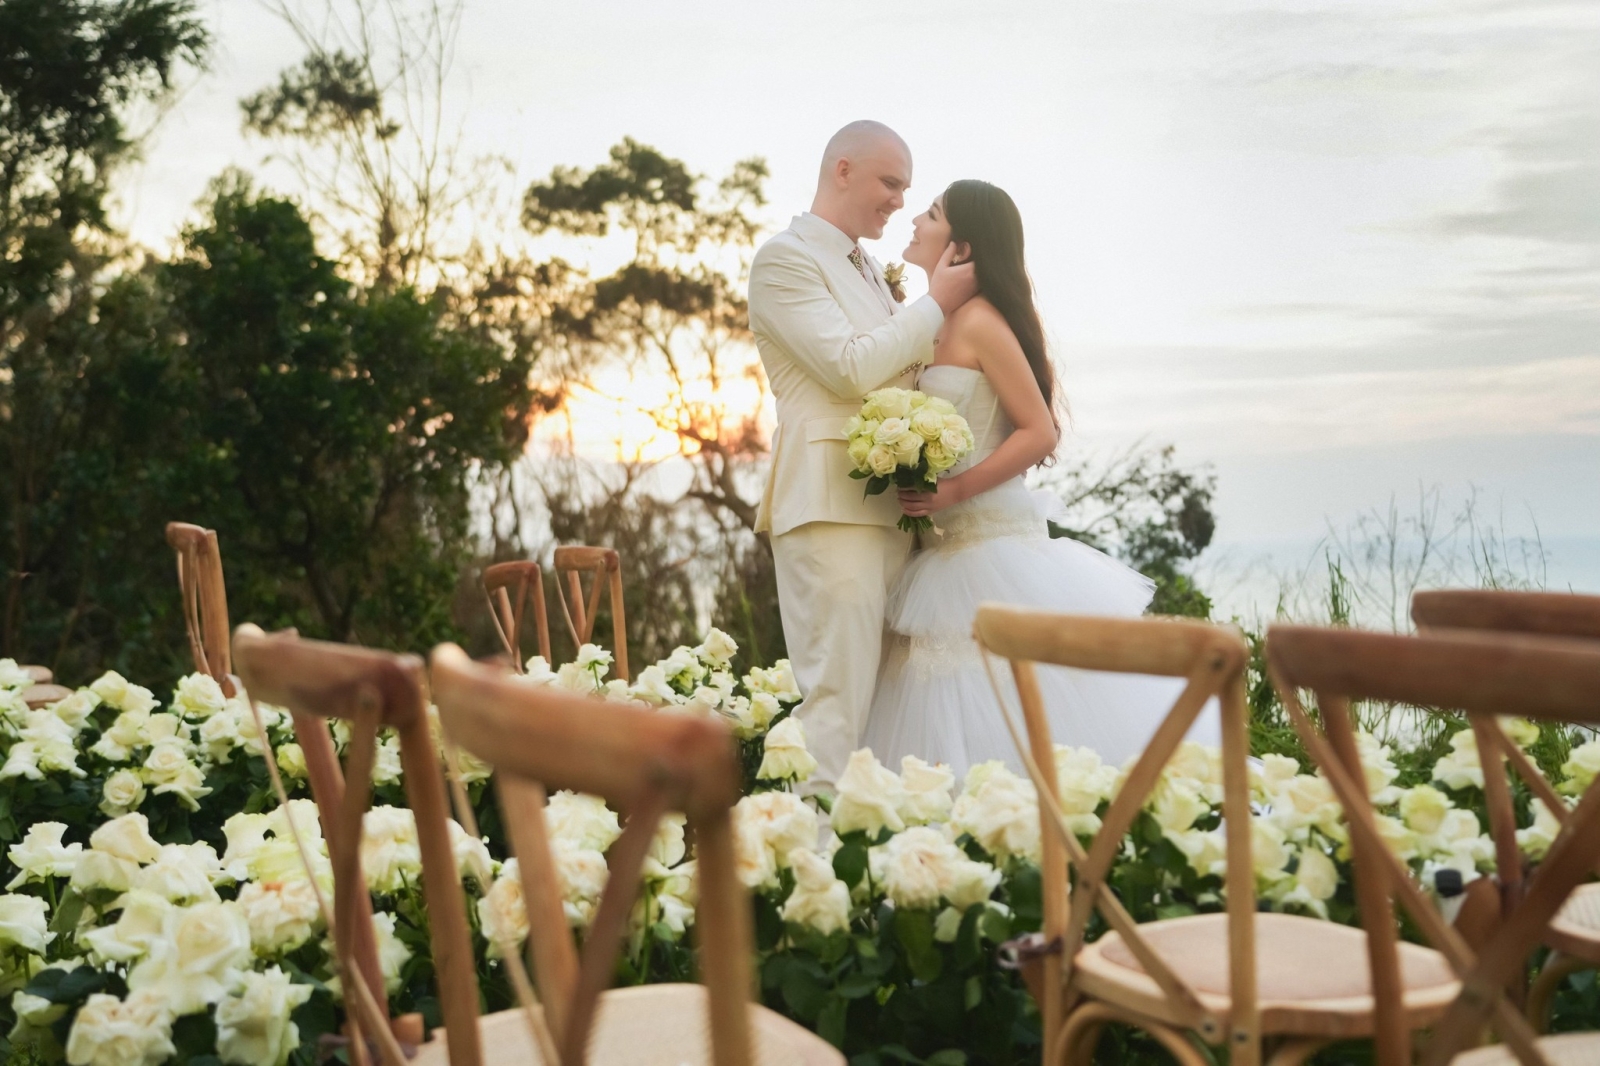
<point x="894" y="276"/>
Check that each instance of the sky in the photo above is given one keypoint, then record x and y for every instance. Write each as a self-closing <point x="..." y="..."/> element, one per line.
<point x="1336" y="250"/>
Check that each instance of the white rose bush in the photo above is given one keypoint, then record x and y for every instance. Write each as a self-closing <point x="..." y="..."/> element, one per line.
<point x="908" y="439"/>
<point x="156" y="907"/>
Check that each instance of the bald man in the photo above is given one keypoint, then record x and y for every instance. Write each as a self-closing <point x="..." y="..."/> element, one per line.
<point x="829" y="332"/>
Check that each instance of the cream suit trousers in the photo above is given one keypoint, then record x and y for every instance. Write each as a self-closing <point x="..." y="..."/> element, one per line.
<point x="833" y="581"/>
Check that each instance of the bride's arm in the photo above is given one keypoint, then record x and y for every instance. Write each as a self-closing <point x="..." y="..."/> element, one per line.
<point x="981" y="329"/>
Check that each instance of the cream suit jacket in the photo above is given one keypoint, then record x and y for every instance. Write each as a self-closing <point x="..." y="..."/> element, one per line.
<point x="827" y="337"/>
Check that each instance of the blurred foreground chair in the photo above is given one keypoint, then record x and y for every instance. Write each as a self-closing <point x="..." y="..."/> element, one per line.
<point x="205" y="599"/>
<point x="372" y="690"/>
<point x="1239" y="979"/>
<point x="510" y="586"/>
<point x="645" y="764"/>
<point x="1484" y="675"/>
<point x="1574" y="936"/>
<point x="41" y="692"/>
<point x="605" y="568"/>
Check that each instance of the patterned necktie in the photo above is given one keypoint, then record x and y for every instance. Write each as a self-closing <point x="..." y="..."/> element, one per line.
<point x="858" y="260"/>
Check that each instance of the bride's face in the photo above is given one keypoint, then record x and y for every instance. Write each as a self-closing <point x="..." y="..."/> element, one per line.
<point x="930" y="232"/>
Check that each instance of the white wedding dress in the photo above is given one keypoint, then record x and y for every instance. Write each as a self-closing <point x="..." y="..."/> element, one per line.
<point x="933" y="698"/>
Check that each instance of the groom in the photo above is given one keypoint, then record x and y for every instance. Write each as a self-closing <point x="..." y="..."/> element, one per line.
<point x="829" y="331"/>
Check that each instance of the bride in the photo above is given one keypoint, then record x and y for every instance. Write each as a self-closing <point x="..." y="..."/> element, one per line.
<point x="991" y="541"/>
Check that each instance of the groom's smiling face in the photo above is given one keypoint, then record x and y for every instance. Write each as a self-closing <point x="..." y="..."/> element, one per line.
<point x="876" y="183"/>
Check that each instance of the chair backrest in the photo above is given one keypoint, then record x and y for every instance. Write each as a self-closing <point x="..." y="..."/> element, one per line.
<point x="642" y="762"/>
<point x="205" y="599"/>
<point x="1212" y="659"/>
<point x="510" y="586"/>
<point x="372" y="689"/>
<point x="605" y="569"/>
<point x="1483" y="675"/>
<point x="1556" y="614"/>
<point x="1559" y="614"/>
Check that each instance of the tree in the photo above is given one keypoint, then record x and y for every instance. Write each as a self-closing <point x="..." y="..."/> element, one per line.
<point x="77" y="340"/>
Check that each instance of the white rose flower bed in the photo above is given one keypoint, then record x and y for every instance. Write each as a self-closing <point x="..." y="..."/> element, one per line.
<point x="157" y="908"/>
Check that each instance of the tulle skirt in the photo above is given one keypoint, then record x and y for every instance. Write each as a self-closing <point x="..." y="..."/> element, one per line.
<point x="934" y="698"/>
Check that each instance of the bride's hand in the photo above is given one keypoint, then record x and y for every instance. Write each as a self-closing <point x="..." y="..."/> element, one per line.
<point x="922" y="504"/>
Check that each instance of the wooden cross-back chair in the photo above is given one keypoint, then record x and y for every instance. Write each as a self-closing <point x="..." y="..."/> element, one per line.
<point x="1483" y="675"/>
<point x="205" y="599"/>
<point x="645" y="764"/>
<point x="1574" y="937"/>
<point x="1236" y="979"/>
<point x="371" y="689"/>
<point x="510" y="587"/>
<point x="41" y="692"/>
<point x="604" y="568"/>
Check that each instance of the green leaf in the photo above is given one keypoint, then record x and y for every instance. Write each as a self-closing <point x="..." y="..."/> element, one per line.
<point x="803" y="993"/>
<point x="831" y="1019"/>
<point x="860" y="475"/>
<point x="857" y="985"/>
<point x="947" y="1057"/>
<point x="850" y="863"/>
<point x="974" y="992"/>
<point x="914" y="929"/>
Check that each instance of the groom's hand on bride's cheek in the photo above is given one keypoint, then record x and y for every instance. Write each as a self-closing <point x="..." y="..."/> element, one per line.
<point x="952" y="283"/>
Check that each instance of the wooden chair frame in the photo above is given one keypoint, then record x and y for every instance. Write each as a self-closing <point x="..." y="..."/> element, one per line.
<point x="371" y="689"/>
<point x="1212" y="660"/>
<point x="1557" y="614"/>
<point x="1484" y="676"/>
<point x="510" y="586"/>
<point x="205" y="599"/>
<point x="646" y="764"/>
<point x="605" y="567"/>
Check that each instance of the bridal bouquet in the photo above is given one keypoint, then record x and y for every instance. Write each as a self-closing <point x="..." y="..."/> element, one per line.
<point x="907" y="439"/>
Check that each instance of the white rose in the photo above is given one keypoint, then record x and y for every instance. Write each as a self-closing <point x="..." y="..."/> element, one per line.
<point x="1423" y="808"/>
<point x="1400" y="840"/>
<point x="868" y="796"/>
<point x="127" y="837"/>
<point x="24" y="922"/>
<point x="1582" y="764"/>
<point x="112" y="1032"/>
<point x="282" y="915"/>
<point x="889" y="432"/>
<point x="683" y="666"/>
<point x="764" y="707"/>
<point x="892" y="403"/>
<point x="143" y="921"/>
<point x="1275" y="770"/>
<point x="1316" y="880"/>
<point x="667" y="847"/>
<point x="168" y="768"/>
<point x="254" y="1027"/>
<point x="22" y="761"/>
<point x="198" y="696"/>
<point x="182" y="873"/>
<point x="784" y="756"/>
<point x="1521" y="731"/>
<point x="1535" y="840"/>
<point x="1205" y="849"/>
<point x="881" y="460"/>
<point x="75" y="710"/>
<point x="292" y="761"/>
<point x="927" y="423"/>
<point x="471" y="855"/>
<point x="34" y="1014"/>
<point x="1083" y="782"/>
<point x="956" y="440"/>
<point x="245" y="833"/>
<point x="220" y="734"/>
<point x="907" y="448"/>
<point x="391" y="856"/>
<point x="781" y="682"/>
<point x="41" y="854"/>
<point x="920" y="867"/>
<point x="1176" y="804"/>
<point x="1378" y="764"/>
<point x="582" y="874"/>
<point x="858" y="449"/>
<point x="1000" y="811"/>
<point x="303" y="813"/>
<point x="582" y="820"/>
<point x="819" y="900"/>
<point x="736" y="709"/>
<point x="718" y="647"/>
<point x="651" y="686"/>
<point x="502" y="914"/>
<point x="754" y="862"/>
<point x="926" y="791"/>
<point x="1268" y="852"/>
<point x="392" y="951"/>
<point x="1461" y="768"/>
<point x="1201" y="765"/>
<point x="594" y="659"/>
<point x="97" y="870"/>
<point x="123" y="695"/>
<point x="122" y="792"/>
<point x="13" y="675"/>
<point x="784" y="820"/>
<point x="1304" y="802"/>
<point x="386" y="764"/>
<point x="537" y="671"/>
<point x="574" y="678"/>
<point x="193" y="963"/>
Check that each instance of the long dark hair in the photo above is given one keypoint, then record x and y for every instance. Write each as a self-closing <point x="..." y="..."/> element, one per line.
<point x="984" y="217"/>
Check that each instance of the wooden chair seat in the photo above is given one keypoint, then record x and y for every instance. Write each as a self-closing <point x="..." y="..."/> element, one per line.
<point x="1313" y="976"/>
<point x="1575" y="929"/>
<point x="43" y="695"/>
<point x="646" y="1025"/>
<point x="1569" y="1049"/>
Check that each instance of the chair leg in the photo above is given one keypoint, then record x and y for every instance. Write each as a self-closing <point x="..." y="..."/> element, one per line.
<point x="1081" y="1033"/>
<point x="1557" y="968"/>
<point x="1296" y="1051"/>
